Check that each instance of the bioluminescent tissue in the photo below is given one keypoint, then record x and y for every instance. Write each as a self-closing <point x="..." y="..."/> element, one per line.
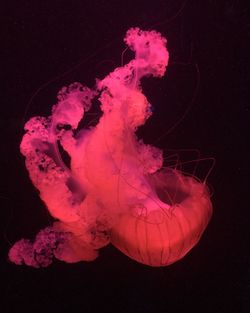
<point x="116" y="189"/>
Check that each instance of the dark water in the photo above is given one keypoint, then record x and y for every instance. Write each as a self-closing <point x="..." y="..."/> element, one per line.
<point x="48" y="44"/>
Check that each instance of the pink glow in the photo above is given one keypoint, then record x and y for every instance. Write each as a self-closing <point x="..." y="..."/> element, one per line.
<point x="116" y="189"/>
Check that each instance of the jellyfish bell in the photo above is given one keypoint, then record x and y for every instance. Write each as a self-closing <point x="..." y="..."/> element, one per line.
<point x="161" y="234"/>
<point x="115" y="189"/>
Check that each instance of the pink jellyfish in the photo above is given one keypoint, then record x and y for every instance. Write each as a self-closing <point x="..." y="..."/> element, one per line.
<point x="116" y="189"/>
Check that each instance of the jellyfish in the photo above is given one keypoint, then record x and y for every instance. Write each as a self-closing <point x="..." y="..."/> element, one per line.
<point x="115" y="189"/>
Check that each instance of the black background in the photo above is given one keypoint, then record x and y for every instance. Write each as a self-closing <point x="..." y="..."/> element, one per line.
<point x="48" y="44"/>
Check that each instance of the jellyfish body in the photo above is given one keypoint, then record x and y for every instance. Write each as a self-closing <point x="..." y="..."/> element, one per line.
<point x="116" y="188"/>
<point x="160" y="237"/>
